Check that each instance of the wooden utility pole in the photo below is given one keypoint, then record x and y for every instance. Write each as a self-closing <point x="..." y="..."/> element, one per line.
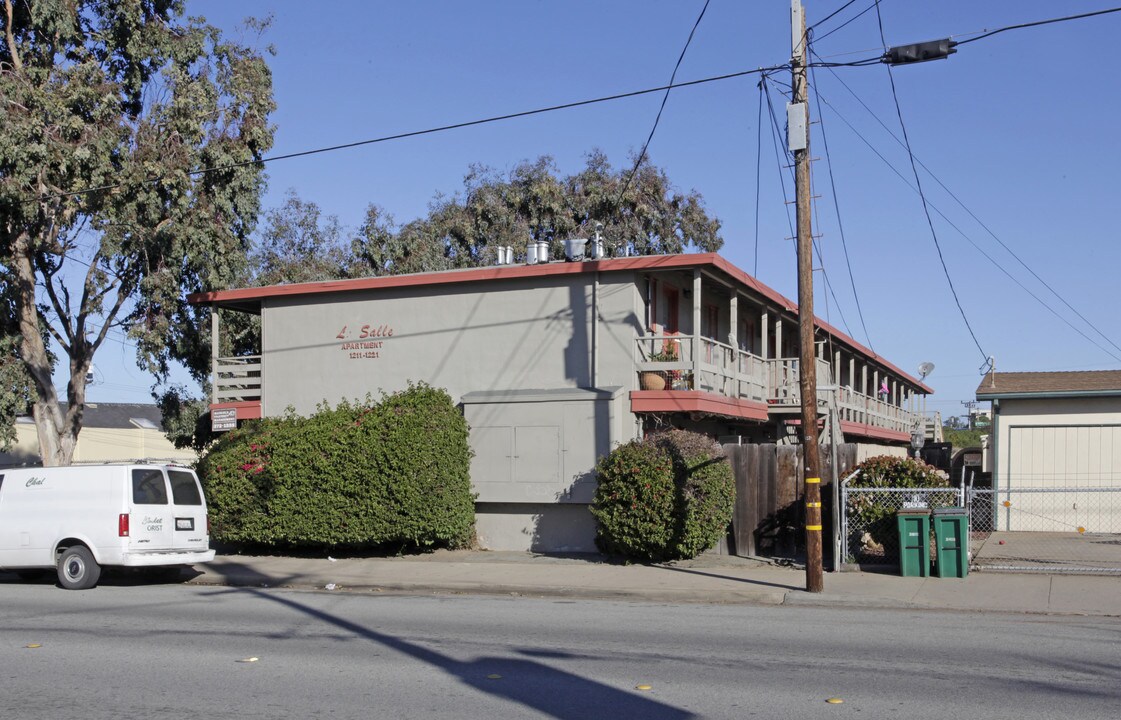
<point x="798" y="132"/>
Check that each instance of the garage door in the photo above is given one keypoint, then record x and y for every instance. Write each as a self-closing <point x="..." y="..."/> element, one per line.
<point x="1061" y="478"/>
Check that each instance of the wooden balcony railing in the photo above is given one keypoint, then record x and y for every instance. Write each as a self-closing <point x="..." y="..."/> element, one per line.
<point x="675" y="363"/>
<point x="237" y="379"/>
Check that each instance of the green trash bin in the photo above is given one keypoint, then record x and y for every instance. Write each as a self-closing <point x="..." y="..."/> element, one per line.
<point x="951" y="542"/>
<point x="914" y="542"/>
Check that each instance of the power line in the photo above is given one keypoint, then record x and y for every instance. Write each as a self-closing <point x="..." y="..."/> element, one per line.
<point x="922" y="195"/>
<point x="776" y="133"/>
<point x="429" y="131"/>
<point x="672" y="77"/>
<point x="961" y="232"/>
<point x="987" y="229"/>
<point x="758" y="164"/>
<point x="830" y="16"/>
<point x="837" y="209"/>
<point x="846" y="22"/>
<point x="1037" y="23"/>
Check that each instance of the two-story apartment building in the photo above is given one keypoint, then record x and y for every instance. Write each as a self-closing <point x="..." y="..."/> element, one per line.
<point x="555" y="364"/>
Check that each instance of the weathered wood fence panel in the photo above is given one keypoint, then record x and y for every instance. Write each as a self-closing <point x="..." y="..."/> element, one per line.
<point x="768" y="518"/>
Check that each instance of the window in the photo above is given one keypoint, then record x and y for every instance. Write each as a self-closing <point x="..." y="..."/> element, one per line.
<point x="148" y="487"/>
<point x="184" y="489"/>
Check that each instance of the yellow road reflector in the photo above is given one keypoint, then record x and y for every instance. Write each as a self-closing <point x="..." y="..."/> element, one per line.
<point x="33" y="646"/>
<point x="834" y="701"/>
<point x="1081" y="530"/>
<point x="814" y="527"/>
<point x="643" y="687"/>
<point x="813" y="504"/>
<point x="494" y="676"/>
<point x="813" y="480"/>
<point x="249" y="659"/>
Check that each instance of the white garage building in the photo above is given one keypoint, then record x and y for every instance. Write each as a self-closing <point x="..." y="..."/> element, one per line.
<point x="1056" y="443"/>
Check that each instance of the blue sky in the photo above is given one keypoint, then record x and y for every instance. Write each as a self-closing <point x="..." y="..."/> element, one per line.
<point x="1017" y="126"/>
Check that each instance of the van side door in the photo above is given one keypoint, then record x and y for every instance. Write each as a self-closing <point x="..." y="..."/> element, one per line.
<point x="188" y="511"/>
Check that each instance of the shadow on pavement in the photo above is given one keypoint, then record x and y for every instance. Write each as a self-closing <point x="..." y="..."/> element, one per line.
<point x="733" y="578"/>
<point x="545" y="689"/>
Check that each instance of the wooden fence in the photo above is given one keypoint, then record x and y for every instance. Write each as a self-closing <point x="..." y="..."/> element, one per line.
<point x="769" y="518"/>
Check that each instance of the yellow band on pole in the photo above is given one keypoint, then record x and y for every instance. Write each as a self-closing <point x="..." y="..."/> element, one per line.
<point x="813" y="480"/>
<point x="814" y="527"/>
<point x="813" y="504"/>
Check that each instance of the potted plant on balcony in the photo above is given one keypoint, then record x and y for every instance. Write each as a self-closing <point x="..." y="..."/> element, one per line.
<point x="658" y="379"/>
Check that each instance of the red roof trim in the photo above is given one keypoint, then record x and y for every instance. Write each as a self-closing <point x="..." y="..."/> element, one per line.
<point x="855" y="428"/>
<point x="552" y="269"/>
<point x="666" y="401"/>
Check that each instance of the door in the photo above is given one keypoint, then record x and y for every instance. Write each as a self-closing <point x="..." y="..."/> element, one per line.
<point x="188" y="511"/>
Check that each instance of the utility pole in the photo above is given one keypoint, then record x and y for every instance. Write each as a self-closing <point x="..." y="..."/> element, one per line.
<point x="798" y="136"/>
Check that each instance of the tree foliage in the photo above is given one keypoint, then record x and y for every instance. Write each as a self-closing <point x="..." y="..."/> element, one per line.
<point x="130" y="98"/>
<point x="646" y="215"/>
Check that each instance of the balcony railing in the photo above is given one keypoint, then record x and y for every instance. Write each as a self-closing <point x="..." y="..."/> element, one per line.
<point x="723" y="370"/>
<point x="719" y="368"/>
<point x="237" y="379"/>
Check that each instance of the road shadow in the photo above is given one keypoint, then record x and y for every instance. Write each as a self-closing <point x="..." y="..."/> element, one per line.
<point x="533" y="685"/>
<point x="748" y="581"/>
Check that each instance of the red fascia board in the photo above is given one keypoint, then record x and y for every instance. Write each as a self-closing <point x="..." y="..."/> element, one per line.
<point x="246" y="409"/>
<point x="855" y="428"/>
<point x="243" y="296"/>
<point x="684" y="401"/>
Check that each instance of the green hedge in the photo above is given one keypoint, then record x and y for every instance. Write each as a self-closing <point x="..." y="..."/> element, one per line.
<point x="667" y="497"/>
<point x="358" y="475"/>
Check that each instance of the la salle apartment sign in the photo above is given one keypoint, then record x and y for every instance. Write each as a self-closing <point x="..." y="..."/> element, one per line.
<point x="364" y="343"/>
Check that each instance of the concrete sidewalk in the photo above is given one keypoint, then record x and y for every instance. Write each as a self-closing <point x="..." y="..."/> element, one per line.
<point x="708" y="579"/>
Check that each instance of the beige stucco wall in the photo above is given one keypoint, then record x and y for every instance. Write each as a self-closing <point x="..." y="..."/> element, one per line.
<point x="520" y="334"/>
<point x="101" y="445"/>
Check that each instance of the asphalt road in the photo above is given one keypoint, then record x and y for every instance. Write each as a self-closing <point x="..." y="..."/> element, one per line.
<point x="178" y="651"/>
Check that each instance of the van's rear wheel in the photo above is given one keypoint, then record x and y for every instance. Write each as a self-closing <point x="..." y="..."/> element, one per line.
<point x="77" y="570"/>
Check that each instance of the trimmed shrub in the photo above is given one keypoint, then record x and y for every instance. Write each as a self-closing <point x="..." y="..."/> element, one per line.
<point x="883" y="471"/>
<point x="357" y="475"/>
<point x="667" y="497"/>
<point x="897" y="472"/>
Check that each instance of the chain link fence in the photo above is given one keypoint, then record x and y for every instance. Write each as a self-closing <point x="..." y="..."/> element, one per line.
<point x="869" y="534"/>
<point x="1054" y="530"/>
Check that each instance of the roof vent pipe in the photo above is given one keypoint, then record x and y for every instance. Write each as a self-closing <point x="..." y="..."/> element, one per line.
<point x="543" y="251"/>
<point x="574" y="249"/>
<point x="531" y="253"/>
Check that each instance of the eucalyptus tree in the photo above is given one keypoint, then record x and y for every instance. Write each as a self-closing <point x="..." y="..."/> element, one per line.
<point x="129" y="145"/>
<point x="639" y="208"/>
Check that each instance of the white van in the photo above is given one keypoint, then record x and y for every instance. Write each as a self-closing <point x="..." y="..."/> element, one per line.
<point x="77" y="519"/>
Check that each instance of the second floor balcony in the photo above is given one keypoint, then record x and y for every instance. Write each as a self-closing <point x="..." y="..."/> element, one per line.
<point x="676" y="363"/>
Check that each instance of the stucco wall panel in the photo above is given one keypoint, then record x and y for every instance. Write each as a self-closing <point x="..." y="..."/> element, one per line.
<point x="518" y="335"/>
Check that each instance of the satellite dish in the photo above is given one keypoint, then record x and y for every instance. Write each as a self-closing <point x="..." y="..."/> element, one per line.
<point x="925" y="369"/>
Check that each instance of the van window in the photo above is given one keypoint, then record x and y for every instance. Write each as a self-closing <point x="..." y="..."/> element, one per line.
<point x="184" y="489"/>
<point x="148" y="487"/>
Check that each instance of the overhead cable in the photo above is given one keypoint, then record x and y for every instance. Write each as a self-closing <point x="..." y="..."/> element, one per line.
<point x="658" y="117"/>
